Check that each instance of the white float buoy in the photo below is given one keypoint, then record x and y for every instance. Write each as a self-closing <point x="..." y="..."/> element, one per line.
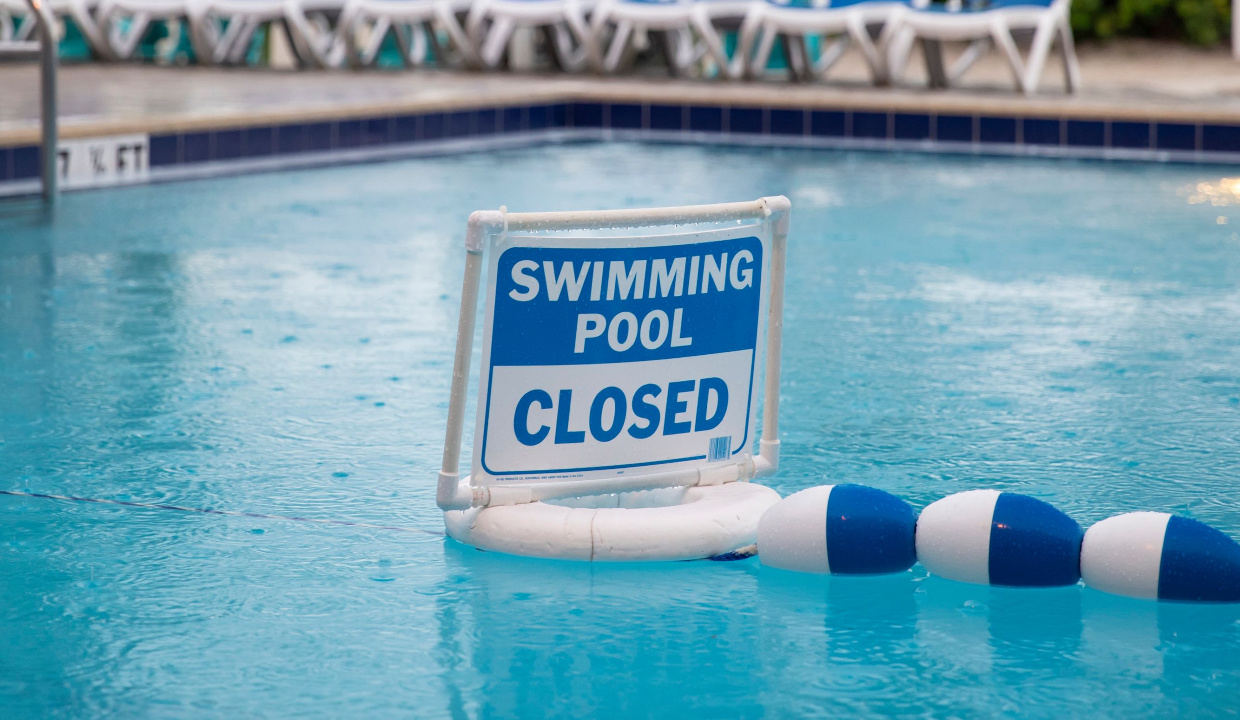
<point x="1161" y="556"/>
<point x="838" y="529"/>
<point x="999" y="538"/>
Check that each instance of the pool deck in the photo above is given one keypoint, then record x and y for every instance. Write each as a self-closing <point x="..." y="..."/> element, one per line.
<point x="1138" y="80"/>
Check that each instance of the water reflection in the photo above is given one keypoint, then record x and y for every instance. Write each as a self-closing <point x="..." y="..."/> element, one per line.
<point x="27" y="277"/>
<point x="561" y="638"/>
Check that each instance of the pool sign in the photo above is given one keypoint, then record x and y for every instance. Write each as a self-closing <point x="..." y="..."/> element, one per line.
<point x="616" y="357"/>
<point x="103" y="161"/>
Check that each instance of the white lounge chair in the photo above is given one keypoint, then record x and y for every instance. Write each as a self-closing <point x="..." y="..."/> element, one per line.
<point x="123" y="23"/>
<point x="685" y="28"/>
<point x="222" y="31"/>
<point x="836" y="25"/>
<point x="491" y="23"/>
<point x="316" y="31"/>
<point x="17" y="22"/>
<point x="994" y="24"/>
<point x="415" y="25"/>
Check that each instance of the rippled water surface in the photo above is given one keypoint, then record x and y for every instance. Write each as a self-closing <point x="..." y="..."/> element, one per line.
<point x="281" y="343"/>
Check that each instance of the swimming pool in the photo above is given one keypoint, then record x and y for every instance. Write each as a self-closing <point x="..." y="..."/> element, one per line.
<point x="282" y="344"/>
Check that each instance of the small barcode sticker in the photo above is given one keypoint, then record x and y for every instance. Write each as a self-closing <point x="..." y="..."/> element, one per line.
<point x="718" y="448"/>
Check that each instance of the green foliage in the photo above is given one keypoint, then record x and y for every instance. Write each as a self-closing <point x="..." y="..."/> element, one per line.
<point x="1202" y="22"/>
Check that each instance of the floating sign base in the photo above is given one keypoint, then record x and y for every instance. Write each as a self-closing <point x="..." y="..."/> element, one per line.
<point x="683" y="523"/>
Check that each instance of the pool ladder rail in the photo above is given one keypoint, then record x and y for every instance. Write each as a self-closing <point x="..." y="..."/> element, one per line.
<point x="47" y="50"/>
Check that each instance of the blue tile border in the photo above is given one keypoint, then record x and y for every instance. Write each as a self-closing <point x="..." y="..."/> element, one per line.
<point x="871" y="125"/>
<point x="1001" y="130"/>
<point x="747" y="121"/>
<point x="1085" y="133"/>
<point x="911" y="126"/>
<point x="627" y="116"/>
<point x="955" y="128"/>
<point x="787" y="122"/>
<point x="1175" y="136"/>
<point x="988" y="133"/>
<point x="705" y="118"/>
<point x="1131" y="135"/>
<point x="828" y="123"/>
<point x="25" y="162"/>
<point x="1220" y="138"/>
<point x="666" y="117"/>
<point x="1042" y="131"/>
<point x="588" y="115"/>
<point x="163" y="150"/>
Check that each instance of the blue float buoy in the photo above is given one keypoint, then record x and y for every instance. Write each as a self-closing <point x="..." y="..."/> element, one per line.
<point x="1163" y="556"/>
<point x="999" y="538"/>
<point x="838" y="529"/>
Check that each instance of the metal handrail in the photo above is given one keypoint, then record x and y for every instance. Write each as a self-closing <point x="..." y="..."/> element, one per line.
<point x="49" y="55"/>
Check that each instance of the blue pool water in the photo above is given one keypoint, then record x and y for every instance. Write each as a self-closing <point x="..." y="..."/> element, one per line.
<point x="281" y="343"/>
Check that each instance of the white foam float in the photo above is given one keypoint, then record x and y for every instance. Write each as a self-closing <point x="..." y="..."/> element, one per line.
<point x="999" y="538"/>
<point x="686" y="523"/>
<point x="839" y="529"/>
<point x="1161" y="556"/>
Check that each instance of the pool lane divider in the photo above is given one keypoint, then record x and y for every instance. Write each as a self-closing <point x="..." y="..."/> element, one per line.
<point x="216" y="511"/>
<point x="999" y="538"/>
<point x="979" y="536"/>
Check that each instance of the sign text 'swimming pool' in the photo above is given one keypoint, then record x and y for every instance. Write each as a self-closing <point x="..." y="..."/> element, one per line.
<point x="605" y="359"/>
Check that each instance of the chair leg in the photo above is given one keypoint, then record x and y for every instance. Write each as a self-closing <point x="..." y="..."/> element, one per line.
<point x="419" y="45"/>
<point x="932" y="51"/>
<point x="765" y="45"/>
<point x="492" y="50"/>
<point x="1043" y="36"/>
<point x="236" y="42"/>
<point x="127" y="42"/>
<point x="741" y="64"/>
<point x="204" y="35"/>
<point x="457" y="36"/>
<point x="476" y="23"/>
<point x="806" y="53"/>
<point x="968" y="58"/>
<point x="348" y="28"/>
<point x="1003" y="39"/>
<point x="675" y="56"/>
<point x="792" y="59"/>
<point x="860" y="34"/>
<point x="831" y="55"/>
<point x="569" y="56"/>
<point x="898" y="51"/>
<point x="304" y="38"/>
<point x="580" y="39"/>
<point x="370" y="51"/>
<point x="1067" y="47"/>
<point x="619" y="42"/>
<point x="89" y="27"/>
<point x="597" y="45"/>
<point x="714" y="45"/>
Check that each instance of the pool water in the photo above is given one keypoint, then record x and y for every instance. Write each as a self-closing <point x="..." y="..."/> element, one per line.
<point x="282" y="344"/>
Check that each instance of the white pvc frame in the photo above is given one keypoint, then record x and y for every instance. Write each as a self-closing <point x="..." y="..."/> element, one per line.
<point x="455" y="493"/>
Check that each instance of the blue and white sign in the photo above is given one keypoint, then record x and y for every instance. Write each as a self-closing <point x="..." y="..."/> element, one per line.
<point x="617" y="357"/>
